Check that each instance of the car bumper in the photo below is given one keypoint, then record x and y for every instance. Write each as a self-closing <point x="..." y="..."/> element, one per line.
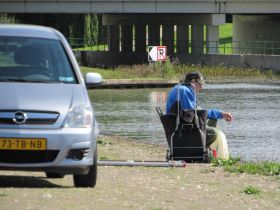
<point x="63" y="141"/>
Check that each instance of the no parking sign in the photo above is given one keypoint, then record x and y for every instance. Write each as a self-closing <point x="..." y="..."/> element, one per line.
<point x="157" y="53"/>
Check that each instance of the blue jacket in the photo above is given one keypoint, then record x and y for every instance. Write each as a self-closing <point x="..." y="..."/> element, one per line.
<point x="188" y="101"/>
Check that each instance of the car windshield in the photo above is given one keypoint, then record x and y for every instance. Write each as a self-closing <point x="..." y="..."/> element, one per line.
<point x="34" y="60"/>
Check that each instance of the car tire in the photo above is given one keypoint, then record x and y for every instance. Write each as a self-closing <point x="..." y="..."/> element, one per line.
<point x="89" y="179"/>
<point x="54" y="175"/>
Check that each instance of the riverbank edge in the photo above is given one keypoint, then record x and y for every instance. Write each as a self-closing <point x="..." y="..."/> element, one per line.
<point x="165" y="83"/>
<point x="157" y="151"/>
<point x="137" y="83"/>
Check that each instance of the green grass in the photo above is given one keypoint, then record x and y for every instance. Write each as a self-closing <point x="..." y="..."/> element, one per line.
<point x="263" y="168"/>
<point x="177" y="71"/>
<point x="234" y="165"/>
<point x="3" y="195"/>
<point x="225" y="34"/>
<point x="101" y="47"/>
<point x="225" y="31"/>
<point x="250" y="190"/>
<point x="147" y="72"/>
<point x="221" y="162"/>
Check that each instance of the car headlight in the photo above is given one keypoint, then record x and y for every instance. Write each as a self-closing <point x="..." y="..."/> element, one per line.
<point x="79" y="117"/>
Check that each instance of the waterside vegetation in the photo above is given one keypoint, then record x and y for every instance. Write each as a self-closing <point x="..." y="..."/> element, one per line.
<point x="235" y="165"/>
<point x="175" y="70"/>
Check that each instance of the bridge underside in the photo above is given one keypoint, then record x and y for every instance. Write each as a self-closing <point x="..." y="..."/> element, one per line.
<point x="146" y="6"/>
<point x="184" y="26"/>
<point x="192" y="33"/>
<point x="182" y="33"/>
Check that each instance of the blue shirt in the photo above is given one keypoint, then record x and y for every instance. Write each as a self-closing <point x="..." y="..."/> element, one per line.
<point x="187" y="100"/>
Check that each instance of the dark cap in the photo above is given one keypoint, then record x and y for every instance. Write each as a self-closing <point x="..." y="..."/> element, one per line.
<point x="197" y="76"/>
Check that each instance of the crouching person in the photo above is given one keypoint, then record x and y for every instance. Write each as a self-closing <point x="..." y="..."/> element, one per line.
<point x="184" y="95"/>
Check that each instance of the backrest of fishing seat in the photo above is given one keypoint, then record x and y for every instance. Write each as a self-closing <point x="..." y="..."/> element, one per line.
<point x="188" y="142"/>
<point x="168" y="121"/>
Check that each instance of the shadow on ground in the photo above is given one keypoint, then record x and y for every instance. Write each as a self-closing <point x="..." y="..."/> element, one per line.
<point x="27" y="182"/>
<point x="225" y="40"/>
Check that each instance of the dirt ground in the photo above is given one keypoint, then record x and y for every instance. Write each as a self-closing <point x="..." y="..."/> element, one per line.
<point x="195" y="186"/>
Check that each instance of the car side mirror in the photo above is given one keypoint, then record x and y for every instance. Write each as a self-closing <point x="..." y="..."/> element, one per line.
<point x="93" y="80"/>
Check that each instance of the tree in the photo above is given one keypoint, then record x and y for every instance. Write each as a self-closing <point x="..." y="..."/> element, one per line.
<point x="91" y="29"/>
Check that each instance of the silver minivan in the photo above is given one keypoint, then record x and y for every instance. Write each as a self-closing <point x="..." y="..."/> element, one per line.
<point x="47" y="122"/>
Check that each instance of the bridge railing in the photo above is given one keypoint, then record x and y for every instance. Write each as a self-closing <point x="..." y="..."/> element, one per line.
<point x="205" y="47"/>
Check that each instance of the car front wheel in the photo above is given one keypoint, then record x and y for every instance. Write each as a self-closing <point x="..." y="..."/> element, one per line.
<point x="89" y="179"/>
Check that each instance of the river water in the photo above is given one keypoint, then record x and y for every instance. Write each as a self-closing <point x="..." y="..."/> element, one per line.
<point x="254" y="133"/>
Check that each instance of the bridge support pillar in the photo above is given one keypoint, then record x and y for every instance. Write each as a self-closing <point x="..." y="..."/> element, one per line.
<point x="168" y="38"/>
<point x="182" y="39"/>
<point x="197" y="39"/>
<point x="140" y="38"/>
<point x="154" y="35"/>
<point x="113" y="38"/>
<point x="126" y="38"/>
<point x="212" y="39"/>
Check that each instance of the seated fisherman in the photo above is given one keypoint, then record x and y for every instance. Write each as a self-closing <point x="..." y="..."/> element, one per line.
<point x="187" y="98"/>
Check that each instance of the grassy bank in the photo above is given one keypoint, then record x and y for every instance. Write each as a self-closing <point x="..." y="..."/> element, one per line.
<point x="174" y="70"/>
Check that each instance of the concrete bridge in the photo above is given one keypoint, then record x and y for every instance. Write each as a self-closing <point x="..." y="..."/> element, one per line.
<point x="141" y="6"/>
<point x="179" y="24"/>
